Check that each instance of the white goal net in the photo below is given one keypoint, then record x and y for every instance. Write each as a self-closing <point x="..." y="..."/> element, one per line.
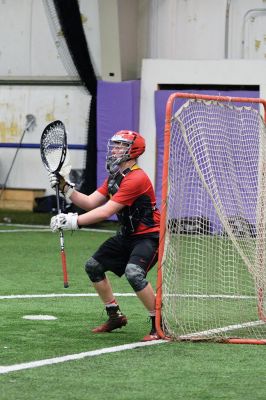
<point x="212" y="274"/>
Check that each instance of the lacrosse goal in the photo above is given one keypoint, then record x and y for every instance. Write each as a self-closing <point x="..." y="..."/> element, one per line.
<point x="211" y="277"/>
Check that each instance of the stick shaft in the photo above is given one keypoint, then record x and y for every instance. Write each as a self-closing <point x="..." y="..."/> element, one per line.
<point x="62" y="243"/>
<point x="63" y="259"/>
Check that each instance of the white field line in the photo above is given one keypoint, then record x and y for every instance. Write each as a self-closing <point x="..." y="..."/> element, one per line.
<point x="25" y="230"/>
<point x="49" y="230"/>
<point x="51" y="295"/>
<point x="211" y="296"/>
<point x="24" y="225"/>
<point x="45" y="228"/>
<point x="72" y="357"/>
<point x="223" y="329"/>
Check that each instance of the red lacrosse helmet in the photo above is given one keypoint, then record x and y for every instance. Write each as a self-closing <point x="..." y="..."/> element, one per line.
<point x="135" y="141"/>
<point x="123" y="146"/>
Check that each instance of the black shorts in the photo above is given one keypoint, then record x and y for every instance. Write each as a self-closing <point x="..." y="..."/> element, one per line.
<point x="118" y="251"/>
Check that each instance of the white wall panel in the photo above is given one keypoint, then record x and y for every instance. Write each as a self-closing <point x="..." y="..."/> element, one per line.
<point x="27" y="47"/>
<point x="205" y="29"/>
<point x="254" y="35"/>
<point x="187" y="29"/>
<point x="171" y="29"/>
<point x="15" y="23"/>
<point x="244" y="29"/>
<point x="47" y="103"/>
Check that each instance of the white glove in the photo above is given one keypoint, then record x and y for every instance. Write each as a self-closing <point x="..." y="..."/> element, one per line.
<point x="65" y="187"/>
<point x="64" y="221"/>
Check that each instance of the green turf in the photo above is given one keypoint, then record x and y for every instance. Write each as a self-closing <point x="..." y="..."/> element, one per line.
<point x="168" y="371"/>
<point x="37" y="218"/>
<point x="75" y="319"/>
<point x="30" y="264"/>
<point x="24" y="217"/>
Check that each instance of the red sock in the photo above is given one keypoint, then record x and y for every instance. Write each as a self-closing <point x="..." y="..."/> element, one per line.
<point x="111" y="303"/>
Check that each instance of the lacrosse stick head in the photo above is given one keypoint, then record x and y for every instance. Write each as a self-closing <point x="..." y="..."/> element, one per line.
<point x="53" y="146"/>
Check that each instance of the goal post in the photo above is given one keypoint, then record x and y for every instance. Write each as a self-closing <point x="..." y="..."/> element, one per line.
<point x="211" y="278"/>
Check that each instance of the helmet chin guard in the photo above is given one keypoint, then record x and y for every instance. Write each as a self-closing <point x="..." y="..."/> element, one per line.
<point x="123" y="146"/>
<point x="112" y="168"/>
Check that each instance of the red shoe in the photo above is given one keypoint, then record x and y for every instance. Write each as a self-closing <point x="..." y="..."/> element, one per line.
<point x="116" y="320"/>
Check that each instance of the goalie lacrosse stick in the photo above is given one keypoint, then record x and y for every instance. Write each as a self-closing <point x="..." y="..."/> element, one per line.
<point x="53" y="148"/>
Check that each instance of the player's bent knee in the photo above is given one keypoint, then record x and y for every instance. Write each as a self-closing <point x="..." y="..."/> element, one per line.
<point x="94" y="270"/>
<point x="136" y="277"/>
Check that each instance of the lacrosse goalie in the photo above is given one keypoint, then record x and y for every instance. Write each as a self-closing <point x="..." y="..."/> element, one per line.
<point x="127" y="192"/>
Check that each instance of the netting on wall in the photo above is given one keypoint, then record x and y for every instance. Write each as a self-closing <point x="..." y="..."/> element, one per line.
<point x="66" y="26"/>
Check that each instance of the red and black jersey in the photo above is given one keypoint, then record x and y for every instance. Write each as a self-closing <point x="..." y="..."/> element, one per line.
<point x="134" y="190"/>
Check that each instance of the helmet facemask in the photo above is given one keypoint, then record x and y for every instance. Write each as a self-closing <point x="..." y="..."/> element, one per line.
<point x="118" y="151"/>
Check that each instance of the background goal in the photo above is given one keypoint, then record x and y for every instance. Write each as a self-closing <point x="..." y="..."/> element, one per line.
<point x="211" y="270"/>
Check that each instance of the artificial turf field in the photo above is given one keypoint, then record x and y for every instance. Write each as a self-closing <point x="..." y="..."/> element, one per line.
<point x="30" y="265"/>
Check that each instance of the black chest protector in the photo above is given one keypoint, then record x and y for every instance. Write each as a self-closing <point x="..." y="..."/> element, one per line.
<point x="141" y="211"/>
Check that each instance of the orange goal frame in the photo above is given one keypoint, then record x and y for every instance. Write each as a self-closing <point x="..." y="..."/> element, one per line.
<point x="167" y="135"/>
